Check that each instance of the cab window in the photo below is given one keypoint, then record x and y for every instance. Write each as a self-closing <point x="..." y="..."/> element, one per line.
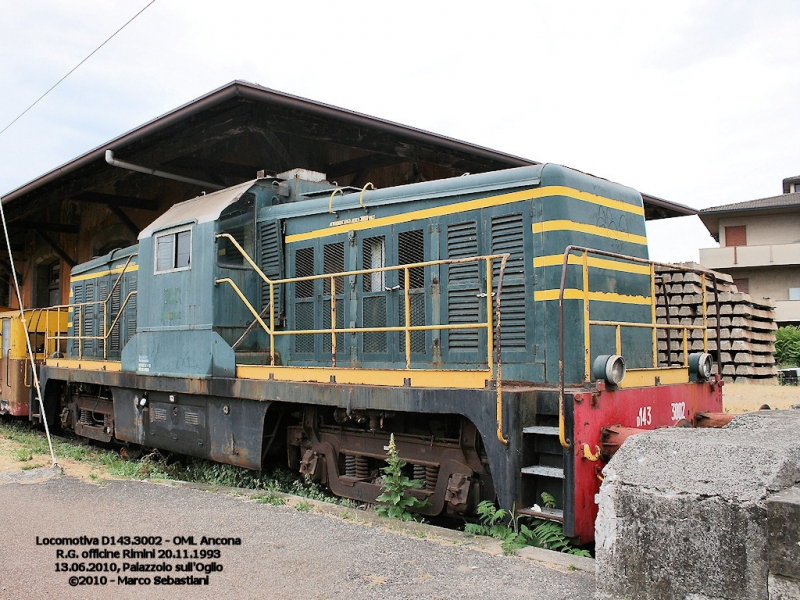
<point x="173" y="251"/>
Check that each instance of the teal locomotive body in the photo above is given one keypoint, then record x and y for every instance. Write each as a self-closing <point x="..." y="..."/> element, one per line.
<point x="286" y="316"/>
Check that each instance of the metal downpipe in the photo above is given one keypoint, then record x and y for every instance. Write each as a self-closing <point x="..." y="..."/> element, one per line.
<point x="155" y="172"/>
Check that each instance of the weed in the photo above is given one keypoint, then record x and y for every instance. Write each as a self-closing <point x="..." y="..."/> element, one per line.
<point x="269" y="497"/>
<point x="572" y="568"/>
<point x="346" y="515"/>
<point x="22" y="454"/>
<point x="421" y="535"/>
<point x="542" y="534"/>
<point x="396" y="487"/>
<point x="491" y="521"/>
<point x="303" y="506"/>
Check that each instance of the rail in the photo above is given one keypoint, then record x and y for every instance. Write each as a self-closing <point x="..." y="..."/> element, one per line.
<point x="491" y="325"/>
<point x="81" y="306"/>
<point x="654" y="326"/>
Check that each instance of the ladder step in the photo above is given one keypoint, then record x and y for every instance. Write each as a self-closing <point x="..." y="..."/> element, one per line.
<point x="541" y="430"/>
<point x="544" y="471"/>
<point x="550" y="514"/>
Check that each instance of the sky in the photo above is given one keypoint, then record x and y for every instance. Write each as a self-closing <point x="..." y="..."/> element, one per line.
<point x="695" y="102"/>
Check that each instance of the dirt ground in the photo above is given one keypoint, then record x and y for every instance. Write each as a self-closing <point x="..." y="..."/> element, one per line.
<point x="86" y="472"/>
<point x="741" y="397"/>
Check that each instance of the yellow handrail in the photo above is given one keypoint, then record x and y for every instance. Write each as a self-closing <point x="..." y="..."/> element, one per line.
<point x="618" y="325"/>
<point x="252" y="310"/>
<point x="653" y="325"/>
<point x="406" y="329"/>
<point x="330" y="202"/>
<point x="364" y="189"/>
<point x="80" y="305"/>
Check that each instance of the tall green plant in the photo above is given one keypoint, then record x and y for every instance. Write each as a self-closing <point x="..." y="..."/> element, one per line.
<point x="787" y="346"/>
<point x="541" y="534"/>
<point x="396" y="485"/>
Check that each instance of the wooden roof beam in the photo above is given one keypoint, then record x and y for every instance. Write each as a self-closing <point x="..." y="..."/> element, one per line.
<point x="57" y="248"/>
<point x="115" y="200"/>
<point x="45" y="226"/>
<point x="120" y="214"/>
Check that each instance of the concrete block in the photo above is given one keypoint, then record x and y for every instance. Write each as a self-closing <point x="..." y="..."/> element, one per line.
<point x="683" y="512"/>
<point x="783" y="533"/>
<point x="781" y="588"/>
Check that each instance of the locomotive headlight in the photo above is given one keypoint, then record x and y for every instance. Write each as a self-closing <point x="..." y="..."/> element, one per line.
<point x="610" y="368"/>
<point x="700" y="365"/>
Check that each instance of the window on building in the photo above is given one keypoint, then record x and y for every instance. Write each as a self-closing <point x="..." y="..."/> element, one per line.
<point x="794" y="293"/>
<point x="742" y="284"/>
<point x="173" y="251"/>
<point x="736" y="235"/>
<point x="48" y="284"/>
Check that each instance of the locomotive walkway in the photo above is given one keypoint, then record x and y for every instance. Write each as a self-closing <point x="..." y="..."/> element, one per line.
<point x="284" y="553"/>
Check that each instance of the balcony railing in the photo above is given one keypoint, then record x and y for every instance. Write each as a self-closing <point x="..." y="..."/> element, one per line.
<point x="730" y="257"/>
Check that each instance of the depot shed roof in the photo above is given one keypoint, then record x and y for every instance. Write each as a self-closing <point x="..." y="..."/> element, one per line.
<point x="229" y="134"/>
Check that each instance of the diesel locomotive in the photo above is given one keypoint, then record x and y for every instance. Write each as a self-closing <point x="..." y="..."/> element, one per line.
<point x="493" y="323"/>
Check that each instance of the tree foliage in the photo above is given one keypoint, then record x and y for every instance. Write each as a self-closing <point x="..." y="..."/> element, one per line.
<point x="787" y="346"/>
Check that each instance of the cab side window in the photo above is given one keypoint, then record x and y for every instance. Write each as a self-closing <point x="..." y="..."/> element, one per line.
<point x="173" y="251"/>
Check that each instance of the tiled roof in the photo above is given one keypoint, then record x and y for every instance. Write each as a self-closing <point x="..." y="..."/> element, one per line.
<point x="782" y="201"/>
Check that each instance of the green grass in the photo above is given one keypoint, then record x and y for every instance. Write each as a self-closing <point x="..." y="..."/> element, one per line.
<point x="303" y="506"/>
<point x="21" y="454"/>
<point x="269" y="497"/>
<point x="155" y="466"/>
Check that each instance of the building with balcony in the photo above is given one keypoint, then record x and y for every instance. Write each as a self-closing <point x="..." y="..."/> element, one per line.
<point x="760" y="248"/>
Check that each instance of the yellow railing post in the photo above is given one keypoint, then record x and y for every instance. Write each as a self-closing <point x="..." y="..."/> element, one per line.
<point x="705" y="315"/>
<point x="685" y="349"/>
<point x="105" y="328"/>
<point x="653" y="314"/>
<point x="271" y="324"/>
<point x="407" y="333"/>
<point x="489" y="307"/>
<point x="587" y="367"/>
<point x="333" y="321"/>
